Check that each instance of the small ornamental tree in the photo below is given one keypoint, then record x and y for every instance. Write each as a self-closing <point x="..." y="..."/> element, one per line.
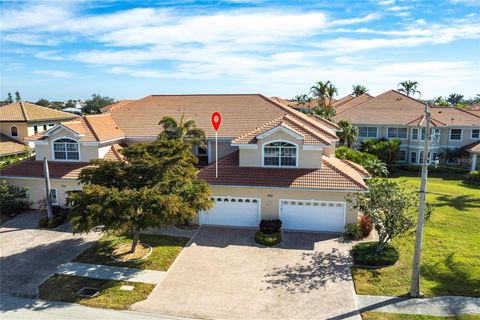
<point x="387" y="204"/>
<point x="155" y="186"/>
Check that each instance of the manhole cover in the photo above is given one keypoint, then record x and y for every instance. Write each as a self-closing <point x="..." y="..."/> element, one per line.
<point x="88" y="292"/>
<point x="127" y="288"/>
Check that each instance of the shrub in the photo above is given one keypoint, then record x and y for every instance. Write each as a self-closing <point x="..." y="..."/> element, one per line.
<point x="43" y="223"/>
<point x="270" y="226"/>
<point x="366" y="254"/>
<point x="352" y="231"/>
<point x="13" y="199"/>
<point x="366" y="225"/>
<point x="473" y="177"/>
<point x="268" y="239"/>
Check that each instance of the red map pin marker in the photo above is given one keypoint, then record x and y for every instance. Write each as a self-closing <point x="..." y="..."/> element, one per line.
<point x="216" y="120"/>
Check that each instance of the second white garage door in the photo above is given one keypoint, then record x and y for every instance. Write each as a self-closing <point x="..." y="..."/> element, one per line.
<point x="233" y="211"/>
<point x="328" y="216"/>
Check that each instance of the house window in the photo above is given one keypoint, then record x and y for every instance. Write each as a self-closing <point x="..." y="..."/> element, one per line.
<point x="66" y="149"/>
<point x="434" y="134"/>
<point x="367" y="132"/>
<point x="14" y="131"/>
<point x="414" y="134"/>
<point x="420" y="160"/>
<point x="413" y="157"/>
<point x="44" y="127"/>
<point x="280" y="154"/>
<point x="475" y="133"/>
<point x="456" y="134"/>
<point x="35" y="129"/>
<point x="399" y="133"/>
<point x="51" y="124"/>
<point x="54" y="196"/>
<point x="402" y="155"/>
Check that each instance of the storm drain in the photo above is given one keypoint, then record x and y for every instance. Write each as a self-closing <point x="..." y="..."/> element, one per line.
<point x="88" y="292"/>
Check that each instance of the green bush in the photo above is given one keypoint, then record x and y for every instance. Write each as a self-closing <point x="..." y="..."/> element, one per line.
<point x="268" y="239"/>
<point x="352" y="231"/>
<point x="473" y="177"/>
<point x="43" y="223"/>
<point x="13" y="199"/>
<point x="366" y="254"/>
<point x="352" y="155"/>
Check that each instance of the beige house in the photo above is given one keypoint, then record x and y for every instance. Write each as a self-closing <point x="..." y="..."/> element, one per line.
<point x="395" y="115"/>
<point x="21" y="119"/>
<point x="274" y="162"/>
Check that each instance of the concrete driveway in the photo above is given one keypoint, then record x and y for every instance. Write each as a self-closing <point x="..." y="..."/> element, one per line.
<point x="28" y="255"/>
<point x="223" y="274"/>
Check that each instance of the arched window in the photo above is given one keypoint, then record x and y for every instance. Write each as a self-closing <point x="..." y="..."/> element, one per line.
<point x="280" y="154"/>
<point x="66" y="149"/>
<point x="14" y="131"/>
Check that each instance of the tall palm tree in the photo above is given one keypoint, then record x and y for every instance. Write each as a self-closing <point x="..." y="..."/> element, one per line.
<point x="187" y="131"/>
<point x="330" y="92"/>
<point x="319" y="91"/>
<point x="302" y="100"/>
<point x="409" y="87"/>
<point x="454" y="99"/>
<point x="476" y="99"/>
<point x="348" y="134"/>
<point x="359" y="89"/>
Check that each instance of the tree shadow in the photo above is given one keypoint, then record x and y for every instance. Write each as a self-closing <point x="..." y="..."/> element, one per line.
<point x="462" y="202"/>
<point x="315" y="270"/>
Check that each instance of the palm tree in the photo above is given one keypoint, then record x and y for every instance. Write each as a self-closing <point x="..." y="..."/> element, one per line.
<point x="302" y="100"/>
<point x="186" y="131"/>
<point x="476" y="99"/>
<point x="376" y="167"/>
<point x="439" y="101"/>
<point x="330" y="92"/>
<point x="454" y="98"/>
<point x="319" y="91"/>
<point x="409" y="87"/>
<point x="359" y="89"/>
<point x="348" y="134"/>
<point x="325" y="111"/>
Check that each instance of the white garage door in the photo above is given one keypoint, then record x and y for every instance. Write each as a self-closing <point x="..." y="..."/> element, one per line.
<point x="233" y="211"/>
<point x="326" y="216"/>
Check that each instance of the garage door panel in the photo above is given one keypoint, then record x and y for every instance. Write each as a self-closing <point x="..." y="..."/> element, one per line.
<point x="232" y="211"/>
<point x="312" y="215"/>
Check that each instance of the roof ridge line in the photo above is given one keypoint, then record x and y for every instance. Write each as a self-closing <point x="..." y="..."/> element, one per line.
<point x="120" y="107"/>
<point x="24" y="112"/>
<point x="342" y="112"/>
<point x="260" y="126"/>
<point x="341" y="172"/>
<point x="309" y="129"/>
<point x="89" y="125"/>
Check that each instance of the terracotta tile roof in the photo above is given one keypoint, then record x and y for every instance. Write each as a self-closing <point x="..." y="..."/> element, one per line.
<point x="361" y="170"/>
<point x="119" y="103"/>
<point x="311" y="135"/>
<point x="99" y="127"/>
<point x="420" y="122"/>
<point x="342" y="101"/>
<point x="240" y="113"/>
<point x="34" y="169"/>
<point x="10" y="146"/>
<point x="393" y="107"/>
<point x="284" y="101"/>
<point x="25" y="111"/>
<point x="473" y="147"/>
<point x="330" y="124"/>
<point x="113" y="153"/>
<point x="329" y="177"/>
<point x="355" y="101"/>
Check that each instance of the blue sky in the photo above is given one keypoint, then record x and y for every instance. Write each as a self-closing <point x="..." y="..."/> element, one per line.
<point x="129" y="49"/>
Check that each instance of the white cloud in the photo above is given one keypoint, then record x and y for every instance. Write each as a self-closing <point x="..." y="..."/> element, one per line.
<point x="54" y="73"/>
<point x="386" y="2"/>
<point x="399" y="8"/>
<point x="30" y="39"/>
<point x="49" y="55"/>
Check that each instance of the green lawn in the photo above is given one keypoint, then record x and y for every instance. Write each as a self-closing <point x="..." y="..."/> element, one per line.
<point x="165" y="250"/>
<point x="451" y="248"/>
<point x="65" y="288"/>
<point x="398" y="316"/>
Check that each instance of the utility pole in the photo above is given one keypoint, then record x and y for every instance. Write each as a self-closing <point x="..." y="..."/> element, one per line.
<point x="48" y="189"/>
<point x="415" y="286"/>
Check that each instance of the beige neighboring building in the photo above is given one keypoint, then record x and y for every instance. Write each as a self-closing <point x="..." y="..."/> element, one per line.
<point x="275" y="162"/>
<point x="21" y="119"/>
<point x="395" y="115"/>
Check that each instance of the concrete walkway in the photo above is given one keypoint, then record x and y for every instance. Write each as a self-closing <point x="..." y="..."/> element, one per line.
<point x="24" y="308"/>
<point x="98" y="271"/>
<point x="437" y="306"/>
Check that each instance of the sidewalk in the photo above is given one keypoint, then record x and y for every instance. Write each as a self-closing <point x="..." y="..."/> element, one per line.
<point x="437" y="306"/>
<point x="111" y="273"/>
<point x="24" y="308"/>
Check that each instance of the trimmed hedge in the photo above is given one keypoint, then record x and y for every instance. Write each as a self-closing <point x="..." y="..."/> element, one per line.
<point x="270" y="226"/>
<point x="268" y="239"/>
<point x="366" y="254"/>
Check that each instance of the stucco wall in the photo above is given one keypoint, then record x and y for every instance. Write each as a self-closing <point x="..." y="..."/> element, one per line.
<point x="21" y="126"/>
<point x="224" y="148"/>
<point x="270" y="198"/>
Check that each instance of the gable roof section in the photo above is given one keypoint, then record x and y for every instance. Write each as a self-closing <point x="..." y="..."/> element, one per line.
<point x="10" y="146"/>
<point x="329" y="177"/>
<point x="28" y="112"/>
<point x="342" y="101"/>
<point x="117" y="104"/>
<point x="455" y="116"/>
<point x="30" y="168"/>
<point x="473" y="147"/>
<point x="420" y="122"/>
<point x="113" y="153"/>
<point x="355" y="101"/>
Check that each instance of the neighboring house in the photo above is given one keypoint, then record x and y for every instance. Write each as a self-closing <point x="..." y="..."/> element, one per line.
<point x="117" y="104"/>
<point x="21" y="119"/>
<point x="274" y="162"/>
<point x="395" y="115"/>
<point x="310" y="105"/>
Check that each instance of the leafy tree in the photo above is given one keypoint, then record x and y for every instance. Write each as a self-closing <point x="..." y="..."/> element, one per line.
<point x="155" y="186"/>
<point x="58" y="105"/>
<point x="43" y="102"/>
<point x="476" y="99"/>
<point x="440" y="101"/>
<point x="451" y="154"/>
<point x="302" y="100"/>
<point x="358" y="90"/>
<point x="386" y="150"/>
<point x="409" y="87"/>
<point x="388" y="205"/>
<point x="369" y="161"/>
<point x="348" y="134"/>
<point x="93" y="105"/>
<point x="325" y="111"/>
<point x="9" y="98"/>
<point x="70" y="104"/>
<point x="18" y="98"/>
<point x="454" y="99"/>
<point x="13" y="199"/>
<point x="186" y="131"/>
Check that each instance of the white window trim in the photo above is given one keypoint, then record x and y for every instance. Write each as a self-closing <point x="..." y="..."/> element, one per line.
<point x="471" y="134"/>
<point x="11" y="135"/>
<point x="406" y="156"/>
<point x="450" y="135"/>
<point x="418" y="134"/>
<point x="396" y="133"/>
<point x="297" y="155"/>
<point x="66" y="160"/>
<point x="56" y="194"/>
<point x="376" y="132"/>
<point x="416" y="157"/>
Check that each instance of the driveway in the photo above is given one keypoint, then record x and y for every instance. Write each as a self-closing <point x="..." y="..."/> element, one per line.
<point x="224" y="274"/>
<point x="28" y="255"/>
